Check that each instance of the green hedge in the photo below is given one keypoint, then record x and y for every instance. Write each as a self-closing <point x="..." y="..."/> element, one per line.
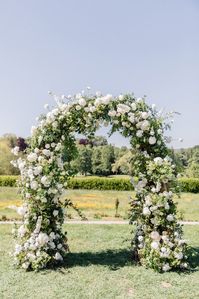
<point x="189" y="185"/>
<point x="8" y="180"/>
<point x="98" y="183"/>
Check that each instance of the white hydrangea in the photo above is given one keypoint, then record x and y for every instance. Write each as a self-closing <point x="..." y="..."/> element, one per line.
<point x="32" y="157"/>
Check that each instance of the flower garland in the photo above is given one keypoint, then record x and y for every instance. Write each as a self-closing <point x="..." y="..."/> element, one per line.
<point x="46" y="169"/>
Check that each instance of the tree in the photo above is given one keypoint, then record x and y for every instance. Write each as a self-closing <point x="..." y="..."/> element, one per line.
<point x="123" y="164"/>
<point x="102" y="159"/>
<point x="83" y="162"/>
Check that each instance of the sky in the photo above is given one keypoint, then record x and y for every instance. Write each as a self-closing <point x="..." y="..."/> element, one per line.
<point x="115" y="46"/>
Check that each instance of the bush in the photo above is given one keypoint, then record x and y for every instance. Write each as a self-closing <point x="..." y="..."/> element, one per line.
<point x="99" y="183"/>
<point x="8" y="180"/>
<point x="189" y="185"/>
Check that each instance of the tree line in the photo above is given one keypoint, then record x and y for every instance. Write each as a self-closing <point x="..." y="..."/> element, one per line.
<point x="97" y="157"/>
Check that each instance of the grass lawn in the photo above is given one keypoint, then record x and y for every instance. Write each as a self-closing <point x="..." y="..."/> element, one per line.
<point x="99" y="266"/>
<point x="97" y="204"/>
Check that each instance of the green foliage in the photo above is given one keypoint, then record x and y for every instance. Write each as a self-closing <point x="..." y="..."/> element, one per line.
<point x="6" y="156"/>
<point x="100" y="184"/>
<point x="189" y="185"/>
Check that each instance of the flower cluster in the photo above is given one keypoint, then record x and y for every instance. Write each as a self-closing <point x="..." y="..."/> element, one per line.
<point x="46" y="169"/>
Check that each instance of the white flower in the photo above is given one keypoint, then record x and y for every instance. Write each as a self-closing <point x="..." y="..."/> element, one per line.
<point x="155" y="245"/>
<point x="144" y="115"/>
<point x="15" y="150"/>
<point x="33" y="130"/>
<point x="152" y="140"/>
<point x="133" y="106"/>
<point x="46" y="152"/>
<point x="58" y="256"/>
<point x="145" y="125"/>
<point x="42" y="239"/>
<point x="132" y="118"/>
<point x="25" y="265"/>
<point x="18" y="249"/>
<point x="146" y="211"/>
<point x="82" y="102"/>
<point x="140" y="238"/>
<point x="21" y="210"/>
<point x="78" y="107"/>
<point x="55" y="213"/>
<point x="148" y="200"/>
<point x="32" y="157"/>
<point x="155" y="235"/>
<point x="38" y="170"/>
<point x="22" y="230"/>
<point x="158" y="160"/>
<point x="34" y="185"/>
<point x="112" y="113"/>
<point x="170" y="217"/>
<point x="166" y="267"/>
<point x="178" y="255"/>
<point x="122" y="108"/>
<point x="45" y="181"/>
<point x="59" y="246"/>
<point x="52" y="245"/>
<point x="139" y="133"/>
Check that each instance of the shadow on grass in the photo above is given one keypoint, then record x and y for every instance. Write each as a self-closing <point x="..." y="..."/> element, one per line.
<point x="193" y="258"/>
<point x="114" y="259"/>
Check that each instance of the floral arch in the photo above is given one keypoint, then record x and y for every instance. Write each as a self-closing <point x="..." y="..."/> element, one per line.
<point x="157" y="242"/>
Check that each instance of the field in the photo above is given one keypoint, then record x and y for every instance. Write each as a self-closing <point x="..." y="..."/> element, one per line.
<point x="97" y="204"/>
<point x="98" y="267"/>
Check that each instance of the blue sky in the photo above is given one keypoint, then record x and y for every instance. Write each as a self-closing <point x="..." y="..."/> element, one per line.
<point x="146" y="47"/>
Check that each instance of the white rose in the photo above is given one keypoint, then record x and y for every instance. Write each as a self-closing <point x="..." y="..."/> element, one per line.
<point x="42" y="239"/>
<point x="55" y="213"/>
<point x="78" y="107"/>
<point x="133" y="106"/>
<point x="21" y="210"/>
<point x="146" y="211"/>
<point x="82" y="102"/>
<point x="144" y="115"/>
<point x="152" y="140"/>
<point x="58" y="256"/>
<point x="15" y="150"/>
<point x="112" y="113"/>
<point x="32" y="157"/>
<point x="139" y="133"/>
<point x="46" y="152"/>
<point x="45" y="181"/>
<point x="155" y="245"/>
<point x="170" y="217"/>
<point x="178" y="255"/>
<point x="166" y="267"/>
<point x="140" y="238"/>
<point x="155" y="235"/>
<point x="145" y="125"/>
<point x="158" y="161"/>
<point x="38" y="170"/>
<point x="34" y="185"/>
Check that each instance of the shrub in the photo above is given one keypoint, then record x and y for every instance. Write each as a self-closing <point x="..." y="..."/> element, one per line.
<point x="8" y="180"/>
<point x="99" y="183"/>
<point x="189" y="185"/>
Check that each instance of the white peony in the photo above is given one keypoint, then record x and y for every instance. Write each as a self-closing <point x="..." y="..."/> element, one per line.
<point x="178" y="255"/>
<point x="82" y="102"/>
<point x="42" y="239"/>
<point x="21" y="210"/>
<point x="144" y="115"/>
<point x="46" y="152"/>
<point x="146" y="211"/>
<point x="166" y="267"/>
<point x="152" y="140"/>
<point x="133" y="106"/>
<point x="34" y="185"/>
<point x="45" y="181"/>
<point x="58" y="257"/>
<point x="32" y="157"/>
<point x="15" y="150"/>
<point x="170" y="217"/>
<point x="155" y="245"/>
<point x="55" y="213"/>
<point x="158" y="160"/>
<point x="155" y="235"/>
<point x="37" y="170"/>
<point x="112" y="113"/>
<point x="139" y="133"/>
